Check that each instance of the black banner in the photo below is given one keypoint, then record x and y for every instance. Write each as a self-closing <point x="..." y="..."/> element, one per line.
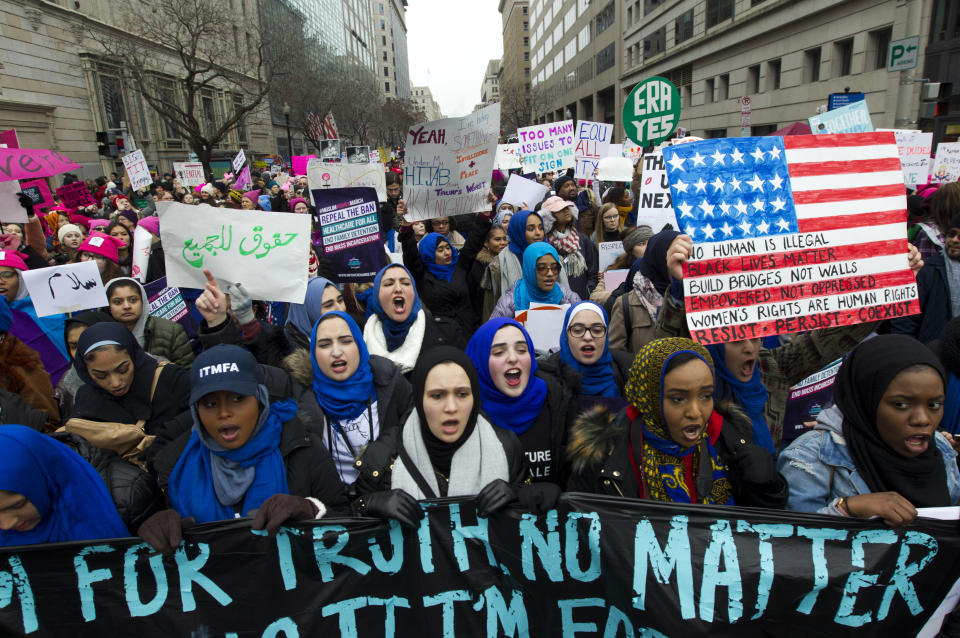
<point x="596" y="566"/>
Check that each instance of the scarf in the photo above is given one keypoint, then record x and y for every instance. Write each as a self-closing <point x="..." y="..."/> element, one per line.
<point x="69" y="494"/>
<point x="596" y="379"/>
<point x="953" y="284"/>
<point x="428" y="251"/>
<point x="395" y="332"/>
<point x="624" y="212"/>
<point x="208" y="480"/>
<point x="302" y="317"/>
<point x="750" y="395"/>
<point x="347" y="399"/>
<point x="669" y="469"/>
<point x="405" y="357"/>
<point x="517" y="232"/>
<point x="568" y="244"/>
<point x="516" y="414"/>
<point x="864" y="376"/>
<point x="139" y="328"/>
<point x="526" y="289"/>
<point x="650" y="298"/>
<point x="653" y="264"/>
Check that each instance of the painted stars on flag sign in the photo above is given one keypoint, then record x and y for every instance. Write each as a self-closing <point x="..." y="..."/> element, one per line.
<point x="731" y="188"/>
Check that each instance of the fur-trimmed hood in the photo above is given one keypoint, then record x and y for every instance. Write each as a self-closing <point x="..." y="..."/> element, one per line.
<point x="298" y="364"/>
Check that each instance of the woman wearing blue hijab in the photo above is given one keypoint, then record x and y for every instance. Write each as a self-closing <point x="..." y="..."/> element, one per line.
<point x="532" y="402"/>
<point x="49" y="494"/>
<point x="539" y="283"/>
<point x="745" y="387"/>
<point x="322" y="296"/>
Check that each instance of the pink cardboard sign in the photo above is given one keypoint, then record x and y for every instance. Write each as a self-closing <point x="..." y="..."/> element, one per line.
<point x="243" y="179"/>
<point x="30" y="163"/>
<point x="75" y="195"/>
<point x="9" y="138"/>
<point x="38" y="191"/>
<point x="299" y="163"/>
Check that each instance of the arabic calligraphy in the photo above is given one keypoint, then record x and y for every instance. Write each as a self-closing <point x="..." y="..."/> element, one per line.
<point x="259" y="244"/>
<point x="72" y="278"/>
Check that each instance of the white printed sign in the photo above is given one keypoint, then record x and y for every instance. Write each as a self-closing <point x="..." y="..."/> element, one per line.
<point x="656" y="204"/>
<point x="449" y="163"/>
<point x="140" y="256"/>
<point x="544" y="324"/>
<point x="66" y="288"/>
<point x="10" y="209"/>
<point x="523" y="193"/>
<point x="189" y="174"/>
<point x="547" y="147"/>
<point x="914" y="148"/>
<point x="321" y="174"/>
<point x="137" y="170"/>
<point x="239" y="160"/>
<point x="593" y="144"/>
<point x="609" y="251"/>
<point x="266" y="252"/>
<point x="852" y="118"/>
<point x="946" y="165"/>
<point x="507" y="157"/>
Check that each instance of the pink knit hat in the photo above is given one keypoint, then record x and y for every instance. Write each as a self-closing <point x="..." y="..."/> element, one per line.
<point x="294" y="201"/>
<point x="101" y="244"/>
<point x="152" y="224"/>
<point x="13" y="259"/>
<point x="253" y="196"/>
<point x="98" y="223"/>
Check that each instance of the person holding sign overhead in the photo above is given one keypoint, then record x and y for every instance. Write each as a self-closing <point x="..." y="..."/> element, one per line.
<point x="539" y="283"/>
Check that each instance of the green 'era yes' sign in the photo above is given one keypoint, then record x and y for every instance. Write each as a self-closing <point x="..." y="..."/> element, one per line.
<point x="652" y="111"/>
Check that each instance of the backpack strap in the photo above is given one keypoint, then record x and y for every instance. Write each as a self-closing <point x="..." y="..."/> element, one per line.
<point x="627" y="323"/>
<point x="415" y="474"/>
<point x="156" y="378"/>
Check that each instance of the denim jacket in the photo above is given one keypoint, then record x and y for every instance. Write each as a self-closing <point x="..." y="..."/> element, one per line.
<point x="819" y="469"/>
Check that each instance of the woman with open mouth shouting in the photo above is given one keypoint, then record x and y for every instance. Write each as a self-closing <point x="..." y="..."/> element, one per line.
<point x="877" y="452"/>
<point x="673" y="442"/>
<point x="518" y="395"/>
<point x="540" y="282"/>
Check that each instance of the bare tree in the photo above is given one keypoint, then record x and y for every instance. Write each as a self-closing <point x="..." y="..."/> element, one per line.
<point x="518" y="107"/>
<point x="395" y="118"/>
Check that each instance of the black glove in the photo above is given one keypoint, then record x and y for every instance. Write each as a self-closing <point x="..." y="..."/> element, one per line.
<point x="26" y="202"/>
<point x="325" y="268"/>
<point x="280" y="508"/>
<point x="162" y="531"/>
<point x="539" y="497"/>
<point x="755" y="465"/>
<point x="395" y="504"/>
<point x="494" y="496"/>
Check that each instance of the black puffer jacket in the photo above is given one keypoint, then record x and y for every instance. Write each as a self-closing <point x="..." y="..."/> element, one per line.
<point x="135" y="493"/>
<point x="16" y="411"/>
<point x="599" y="457"/>
<point x="269" y="346"/>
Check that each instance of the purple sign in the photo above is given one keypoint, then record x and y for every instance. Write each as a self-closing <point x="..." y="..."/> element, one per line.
<point x="349" y="235"/>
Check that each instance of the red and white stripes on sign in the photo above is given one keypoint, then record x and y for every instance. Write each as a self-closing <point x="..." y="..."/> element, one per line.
<point x="850" y="203"/>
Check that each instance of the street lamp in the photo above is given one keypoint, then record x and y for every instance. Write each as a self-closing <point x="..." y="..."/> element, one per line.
<point x="286" y="115"/>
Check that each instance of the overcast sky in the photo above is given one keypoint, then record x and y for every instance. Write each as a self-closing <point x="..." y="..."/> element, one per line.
<point x="449" y="43"/>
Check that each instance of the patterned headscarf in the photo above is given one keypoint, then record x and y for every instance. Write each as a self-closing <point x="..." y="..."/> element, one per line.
<point x="663" y="459"/>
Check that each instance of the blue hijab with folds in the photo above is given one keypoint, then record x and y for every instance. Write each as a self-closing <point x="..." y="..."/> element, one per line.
<point x="69" y="494"/>
<point x="342" y="400"/>
<point x="512" y="413"/>
<point x="750" y="395"/>
<point x="205" y="468"/>
<point x="304" y="315"/>
<point x="526" y="290"/>
<point x="428" y="253"/>
<point x="517" y="232"/>
<point x="394" y="331"/>
<point x="597" y="378"/>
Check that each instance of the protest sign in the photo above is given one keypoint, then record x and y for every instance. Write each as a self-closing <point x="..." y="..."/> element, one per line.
<point x="632" y="151"/>
<point x="140" y="255"/>
<point x="66" y="288"/>
<point x="39" y="193"/>
<point x="788" y="241"/>
<point x="613" y="278"/>
<point x="298" y="163"/>
<point x="266" y="252"/>
<point x="523" y="193"/>
<point x="807" y="399"/>
<point x="243" y="179"/>
<point x="655" y="208"/>
<point x="547" y="147"/>
<point x="449" y="163"/>
<point x="615" y="150"/>
<point x="322" y="174"/>
<point x="595" y="565"/>
<point x="383" y="155"/>
<point x="652" y="111"/>
<point x="137" y="170"/>
<point x="593" y="144"/>
<point x="8" y="139"/>
<point x="609" y="251"/>
<point x="358" y="154"/>
<point x="239" y="160"/>
<point x="946" y="164"/>
<point x="852" y="118"/>
<point x="507" y="157"/>
<point x="168" y="303"/>
<point x="10" y="209"/>
<point x="330" y="150"/>
<point x="614" y="169"/>
<point x="544" y="323"/>
<point x="350" y="232"/>
<point x="75" y="195"/>
<point x="914" y="147"/>
<point x="189" y="174"/>
<point x="30" y="163"/>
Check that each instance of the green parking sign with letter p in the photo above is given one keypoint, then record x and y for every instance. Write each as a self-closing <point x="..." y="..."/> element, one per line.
<point x="902" y="54"/>
<point x="652" y="111"/>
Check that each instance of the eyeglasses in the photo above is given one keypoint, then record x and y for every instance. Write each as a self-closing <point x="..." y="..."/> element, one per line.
<point x="8" y="274"/>
<point x="578" y="330"/>
<point x="953" y="232"/>
<point x="543" y="268"/>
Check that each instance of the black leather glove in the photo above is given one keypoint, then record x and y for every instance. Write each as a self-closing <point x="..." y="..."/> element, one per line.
<point x="280" y="508"/>
<point x="494" y="496"/>
<point x="539" y="497"/>
<point x="163" y="531"/>
<point x="26" y="202"/>
<point x="395" y="504"/>
<point x="755" y="465"/>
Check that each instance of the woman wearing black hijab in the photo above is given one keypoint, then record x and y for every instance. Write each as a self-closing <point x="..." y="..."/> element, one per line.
<point x="445" y="448"/>
<point x="70" y="382"/>
<point x="877" y="452"/>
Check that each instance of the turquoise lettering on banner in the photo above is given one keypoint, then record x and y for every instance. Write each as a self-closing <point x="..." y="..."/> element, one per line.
<point x="285" y="625"/>
<point x="820" y="573"/>
<point x="16" y="582"/>
<point x="676" y="556"/>
<point x="900" y="581"/>
<point x="764" y="534"/>
<point x="346" y="612"/>
<point x="567" y="625"/>
<point x="87" y="577"/>
<point x="328" y="556"/>
<point x="190" y="574"/>
<point x="446" y="599"/>
<point x="512" y="617"/>
<point x="547" y="546"/>
<point x="395" y="563"/>
<point x="288" y="571"/>
<point x="721" y="545"/>
<point x="858" y="579"/>
<point x="131" y="583"/>
<point x="572" y="550"/>
<point x="461" y="532"/>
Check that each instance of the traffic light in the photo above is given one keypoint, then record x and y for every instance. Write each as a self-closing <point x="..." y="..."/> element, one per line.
<point x="107" y="144"/>
<point x="119" y="144"/>
<point x="935" y="99"/>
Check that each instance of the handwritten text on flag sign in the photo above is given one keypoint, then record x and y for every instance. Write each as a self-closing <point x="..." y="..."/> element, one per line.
<point x="791" y="233"/>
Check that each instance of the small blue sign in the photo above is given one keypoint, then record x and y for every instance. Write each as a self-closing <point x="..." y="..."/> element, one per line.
<point x="843" y="99"/>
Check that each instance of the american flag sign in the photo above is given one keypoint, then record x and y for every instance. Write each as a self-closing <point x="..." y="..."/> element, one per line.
<point x="791" y="233"/>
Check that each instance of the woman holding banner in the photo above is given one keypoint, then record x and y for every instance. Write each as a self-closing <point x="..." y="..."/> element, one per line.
<point x="877" y="451"/>
<point x="538" y="284"/>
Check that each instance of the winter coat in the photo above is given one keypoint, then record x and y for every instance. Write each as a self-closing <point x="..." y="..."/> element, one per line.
<point x="310" y="470"/>
<point x="475" y="280"/>
<point x="505" y="307"/>
<point x="135" y="493"/>
<point x="780" y="368"/>
<point x="168" y="339"/>
<point x="820" y="470"/>
<point x="622" y="362"/>
<point x="599" y="456"/>
<point x="935" y="307"/>
<point x="269" y="344"/>
<point x="22" y="372"/>
<point x="583" y="283"/>
<point x="631" y="326"/>
<point x="15" y="410"/>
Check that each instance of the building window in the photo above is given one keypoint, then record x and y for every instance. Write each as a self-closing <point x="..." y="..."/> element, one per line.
<point x="759" y="130"/>
<point x="381" y="8"/>
<point x="714" y="133"/>
<point x="650" y="5"/>
<point x="754" y="3"/>
<point x="526" y="72"/>
<point x="879" y="43"/>
<point x="526" y="25"/>
<point x="526" y="41"/>
<point x="811" y="65"/>
<point x="683" y="27"/>
<point x="655" y="43"/>
<point x="524" y="10"/>
<point x="111" y="93"/>
<point x="571" y="49"/>
<point x="583" y="39"/>
<point x="606" y="58"/>
<point x="708" y="87"/>
<point x="945" y="24"/>
<point x="606" y="17"/>
<point x="386" y="87"/>
<point x="526" y="56"/>
<point x="209" y="110"/>
<point x="773" y="74"/>
<point x="386" y="72"/>
<point x="718" y="11"/>
<point x="753" y="79"/>
<point x="843" y="57"/>
<point x="384" y="56"/>
<point x="569" y="18"/>
<point x="723" y="90"/>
